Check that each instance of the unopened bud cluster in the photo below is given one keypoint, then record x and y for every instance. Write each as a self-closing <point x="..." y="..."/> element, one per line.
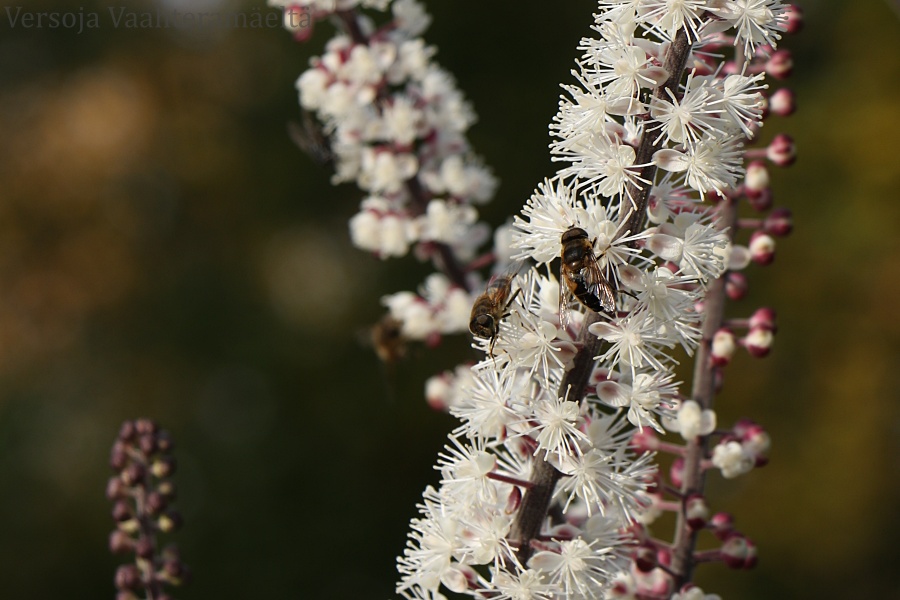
<point x="142" y="492"/>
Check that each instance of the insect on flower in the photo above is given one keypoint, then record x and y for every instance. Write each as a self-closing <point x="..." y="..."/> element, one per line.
<point x="582" y="275"/>
<point x="492" y="306"/>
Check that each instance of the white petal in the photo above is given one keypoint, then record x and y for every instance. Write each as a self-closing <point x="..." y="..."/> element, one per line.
<point x="670" y="160"/>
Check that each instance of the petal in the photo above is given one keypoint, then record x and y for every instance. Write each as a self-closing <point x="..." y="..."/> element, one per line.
<point x="612" y="393"/>
<point x="670" y="160"/>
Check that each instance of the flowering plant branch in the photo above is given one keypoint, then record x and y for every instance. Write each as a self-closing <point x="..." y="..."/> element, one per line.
<point x="549" y="485"/>
<point x="141" y="492"/>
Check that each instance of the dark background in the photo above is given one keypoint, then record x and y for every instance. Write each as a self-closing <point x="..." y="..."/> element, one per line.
<point x="165" y="251"/>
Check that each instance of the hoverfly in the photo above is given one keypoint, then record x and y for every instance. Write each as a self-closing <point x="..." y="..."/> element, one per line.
<point x="492" y="306"/>
<point x="387" y="339"/>
<point x="580" y="272"/>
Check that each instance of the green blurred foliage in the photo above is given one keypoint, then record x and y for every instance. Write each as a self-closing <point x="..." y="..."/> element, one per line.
<point x="165" y="251"/>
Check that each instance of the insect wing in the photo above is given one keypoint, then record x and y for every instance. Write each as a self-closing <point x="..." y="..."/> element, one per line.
<point x="598" y="285"/>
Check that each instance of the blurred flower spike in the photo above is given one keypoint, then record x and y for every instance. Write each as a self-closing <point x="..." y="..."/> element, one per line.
<point x="141" y="492"/>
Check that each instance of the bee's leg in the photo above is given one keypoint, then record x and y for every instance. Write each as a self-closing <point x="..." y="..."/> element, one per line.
<point x="510" y="301"/>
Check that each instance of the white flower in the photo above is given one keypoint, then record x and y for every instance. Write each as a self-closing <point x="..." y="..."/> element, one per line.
<point x="692" y="422"/>
<point x="527" y="585"/>
<point x="634" y="341"/>
<point x="411" y="17"/>
<point x="550" y="211"/>
<point x="464" y="471"/>
<point x="757" y="21"/>
<point x="732" y="459"/>
<point x="647" y="396"/>
<point x="711" y="164"/>
<point x="689" y="118"/>
<point x="557" y="422"/>
<point x="578" y="567"/>
<point x="695" y="593"/>
<point x="491" y="401"/>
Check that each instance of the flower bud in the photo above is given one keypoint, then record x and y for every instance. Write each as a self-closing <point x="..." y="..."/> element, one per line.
<point x="121" y="511"/>
<point x="735" y="285"/>
<point x="645" y="441"/>
<point x="126" y="431"/>
<point x="169" y="521"/>
<point x="723" y="347"/>
<point x="738" y="552"/>
<point x="696" y="511"/>
<point x="762" y="248"/>
<point x="780" y="65"/>
<point x="783" y="102"/>
<point x="437" y="391"/>
<point x="722" y="524"/>
<point x="758" y="342"/>
<point x="144" y="548"/>
<point x="644" y="558"/>
<point x="779" y="222"/>
<point x="764" y="318"/>
<point x="781" y="150"/>
<point x="163" y="467"/>
<point x="757" y="178"/>
<point x="128" y="577"/>
<point x="761" y="201"/>
<point x="794" y="19"/>
<point x="676" y="472"/>
<point x="120" y="542"/>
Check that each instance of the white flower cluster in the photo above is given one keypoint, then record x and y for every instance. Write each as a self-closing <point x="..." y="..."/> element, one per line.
<point x="396" y="126"/>
<point x="514" y="408"/>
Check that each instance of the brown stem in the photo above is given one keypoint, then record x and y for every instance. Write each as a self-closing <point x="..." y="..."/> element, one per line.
<point x="544" y="477"/>
<point x="676" y="59"/>
<point x="536" y="501"/>
<point x="702" y="392"/>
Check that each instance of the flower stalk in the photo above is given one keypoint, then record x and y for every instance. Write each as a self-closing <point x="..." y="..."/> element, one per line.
<point x="549" y="485"/>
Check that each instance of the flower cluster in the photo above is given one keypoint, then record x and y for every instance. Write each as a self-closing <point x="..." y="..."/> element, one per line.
<point x="141" y="492"/>
<point x="525" y="419"/>
<point x="548" y="485"/>
<point x="394" y="123"/>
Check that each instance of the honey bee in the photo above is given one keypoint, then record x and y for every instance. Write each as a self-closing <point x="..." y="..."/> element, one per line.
<point x="492" y="306"/>
<point x="580" y="272"/>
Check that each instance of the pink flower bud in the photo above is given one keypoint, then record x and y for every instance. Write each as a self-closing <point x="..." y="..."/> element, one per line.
<point x="761" y="201"/>
<point x="782" y="151"/>
<point x="723" y="347"/>
<point x="764" y="318"/>
<point x="645" y="441"/>
<point x="779" y="222"/>
<point x="762" y="248"/>
<point x="735" y="285"/>
<point x="718" y="380"/>
<point x="696" y="511"/>
<point x="676" y="472"/>
<point x="758" y="342"/>
<point x="780" y="65"/>
<point x="739" y="552"/>
<point x="783" y="102"/>
<point x="644" y="558"/>
<point x="722" y="524"/>
<point x="757" y="178"/>
<point x="794" y="21"/>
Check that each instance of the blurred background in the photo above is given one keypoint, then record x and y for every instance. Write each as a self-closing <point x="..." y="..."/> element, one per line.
<point x="166" y="251"/>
